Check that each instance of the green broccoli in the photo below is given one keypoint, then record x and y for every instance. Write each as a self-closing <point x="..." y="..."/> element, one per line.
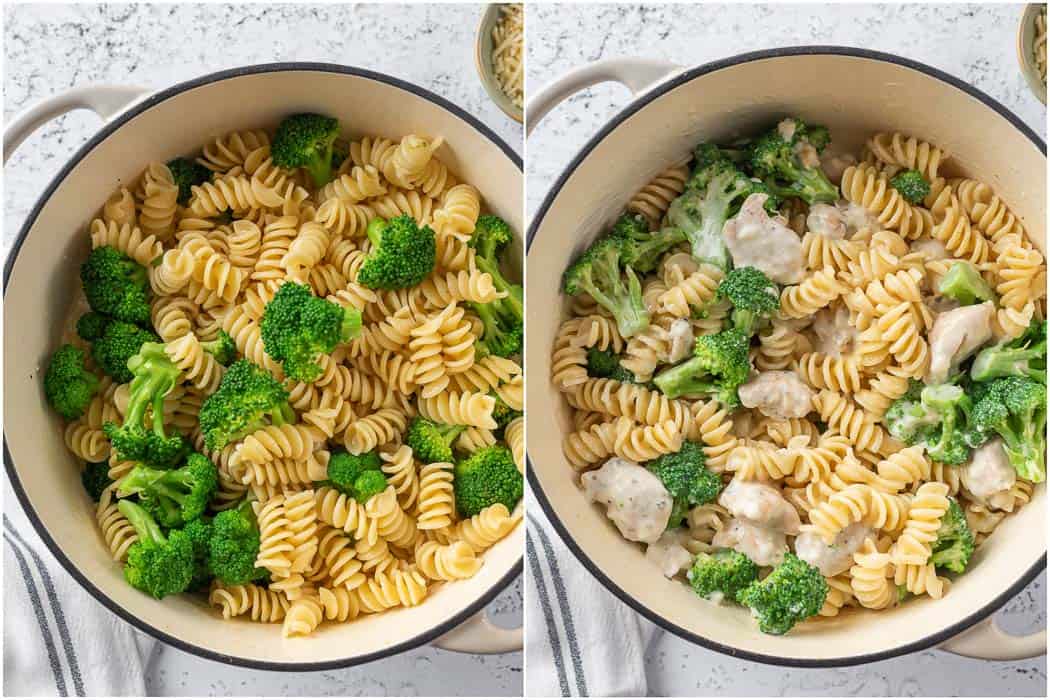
<point x="934" y="416"/>
<point x="358" y="476"/>
<point x="722" y="574"/>
<point x="118" y="344"/>
<point x="794" y="591"/>
<point x="248" y="398"/>
<point x="234" y="546"/>
<point x="955" y="541"/>
<point x="719" y="365"/>
<point x="298" y="327"/>
<point x="600" y="272"/>
<point x="222" y="348"/>
<point x="964" y="284"/>
<point x="1015" y="409"/>
<point x="625" y="376"/>
<point x="642" y="249"/>
<point x="92" y="326"/>
<point x="173" y="497"/>
<point x="68" y="385"/>
<point x="95" y="479"/>
<point x="484" y="478"/>
<point x="368" y="484"/>
<point x="911" y="185"/>
<point x="686" y="477"/>
<point x="503" y="318"/>
<point x="154" y="376"/>
<point x="340" y="152"/>
<point x="306" y="141"/>
<point x="432" y="442"/>
<point x="779" y="157"/>
<point x="1020" y="357"/>
<point x="199" y="532"/>
<point x="187" y="174"/>
<point x="403" y="254"/>
<point x="116" y="285"/>
<point x="156" y="564"/>
<point x="601" y="363"/>
<point x="753" y="295"/>
<point x="502" y="413"/>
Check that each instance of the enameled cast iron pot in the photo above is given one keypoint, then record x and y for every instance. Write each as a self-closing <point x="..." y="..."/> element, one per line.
<point x="41" y="277"/>
<point x="856" y="93"/>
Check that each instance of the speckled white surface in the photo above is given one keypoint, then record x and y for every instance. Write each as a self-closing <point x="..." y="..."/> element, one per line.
<point x="973" y="42"/>
<point x="53" y="48"/>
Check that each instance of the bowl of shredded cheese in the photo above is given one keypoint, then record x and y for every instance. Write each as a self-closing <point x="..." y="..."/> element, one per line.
<point x="1031" y="48"/>
<point x="500" y="56"/>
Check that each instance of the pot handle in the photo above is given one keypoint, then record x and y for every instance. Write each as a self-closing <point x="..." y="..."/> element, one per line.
<point x="636" y="74"/>
<point x="479" y="635"/>
<point x="104" y="100"/>
<point x="987" y="640"/>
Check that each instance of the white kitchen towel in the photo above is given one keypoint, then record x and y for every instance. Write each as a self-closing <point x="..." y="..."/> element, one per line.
<point x="582" y="640"/>
<point x="58" y="640"/>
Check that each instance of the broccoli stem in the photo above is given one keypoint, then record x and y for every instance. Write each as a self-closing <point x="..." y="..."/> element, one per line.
<point x="144" y="525"/>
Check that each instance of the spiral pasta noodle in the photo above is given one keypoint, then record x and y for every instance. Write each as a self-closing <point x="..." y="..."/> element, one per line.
<point x="864" y="186"/>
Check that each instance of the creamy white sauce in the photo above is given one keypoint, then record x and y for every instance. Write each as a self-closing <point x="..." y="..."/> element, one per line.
<point x="786" y="128"/>
<point x="681" y="335"/>
<point x="835" y="164"/>
<point x="931" y="248"/>
<point x="777" y="394"/>
<point x="635" y="499"/>
<point x="956" y="335"/>
<point x="754" y="239"/>
<point x="826" y="220"/>
<point x="763" y="545"/>
<point x="807" y="154"/>
<point x="858" y="218"/>
<point x="760" y="504"/>
<point x="668" y="553"/>
<point x="835" y="335"/>
<point x="837" y="557"/>
<point x="988" y="475"/>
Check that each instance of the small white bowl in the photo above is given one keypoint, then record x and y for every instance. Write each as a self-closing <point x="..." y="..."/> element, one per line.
<point x="1026" y="51"/>
<point x="483" y="60"/>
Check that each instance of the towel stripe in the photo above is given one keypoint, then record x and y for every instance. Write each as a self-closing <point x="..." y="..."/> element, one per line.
<point x="41" y="618"/>
<point x="552" y="630"/>
<point x="56" y="609"/>
<point x="563" y="602"/>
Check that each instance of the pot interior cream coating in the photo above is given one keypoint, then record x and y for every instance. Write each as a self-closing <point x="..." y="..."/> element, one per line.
<point x="45" y="279"/>
<point x="855" y="97"/>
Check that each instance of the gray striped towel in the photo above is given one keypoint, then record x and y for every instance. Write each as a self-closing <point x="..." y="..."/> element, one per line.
<point x="58" y="640"/>
<point x="581" y="641"/>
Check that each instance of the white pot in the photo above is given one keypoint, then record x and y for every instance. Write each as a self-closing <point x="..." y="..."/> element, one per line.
<point x="855" y="93"/>
<point x="41" y="277"/>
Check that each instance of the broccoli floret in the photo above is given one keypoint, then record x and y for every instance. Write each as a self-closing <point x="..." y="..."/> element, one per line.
<point x="753" y="295"/>
<point x="601" y="363"/>
<point x="722" y="574"/>
<point x="484" y="478"/>
<point x="187" y="174"/>
<point x="116" y="285"/>
<point x="199" y="532"/>
<point x="964" y="284"/>
<point x="403" y="254"/>
<point x="785" y="157"/>
<point x="173" y="497"/>
<point x="222" y="348"/>
<point x="298" y="327"/>
<point x="68" y="385"/>
<point x="305" y="141"/>
<point x="234" y="546"/>
<point x="344" y="468"/>
<point x="911" y="185"/>
<point x="248" y="398"/>
<point x="432" y="442"/>
<point x="719" y="365"/>
<point x="642" y="249"/>
<point x="502" y="413"/>
<point x="600" y="272"/>
<point x="1015" y="409"/>
<point x="955" y="540"/>
<point x="794" y="591"/>
<point x="368" y="484"/>
<point x="340" y="152"/>
<point x="119" y="343"/>
<point x="95" y="479"/>
<point x="156" y="564"/>
<point x="92" y="326"/>
<point x="623" y="375"/>
<point x="1020" y="357"/>
<point x="686" y="477"/>
<point x="502" y="318"/>
<point x="935" y="417"/>
<point x="154" y="376"/>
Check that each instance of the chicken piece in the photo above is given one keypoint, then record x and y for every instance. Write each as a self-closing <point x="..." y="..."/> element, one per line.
<point x="835" y="334"/>
<point x="760" y="504"/>
<point x="755" y="239"/>
<point x="635" y="498"/>
<point x="858" y="218"/>
<point x="826" y="220"/>
<point x="988" y="475"/>
<point x="956" y="335"/>
<point x="762" y="545"/>
<point x="832" y="559"/>
<point x="681" y="335"/>
<point x="834" y="164"/>
<point x="931" y="248"/>
<point x="669" y="553"/>
<point x="778" y="394"/>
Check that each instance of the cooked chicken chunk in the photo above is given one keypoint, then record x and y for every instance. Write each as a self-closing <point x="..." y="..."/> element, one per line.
<point x="763" y="545"/>
<point x="826" y="220"/>
<point x="760" y="504"/>
<point x="835" y="334"/>
<point x="635" y="499"/>
<point x="832" y="559"/>
<point x="778" y="394"/>
<point x="669" y="553"/>
<point x="956" y="335"/>
<point x="988" y="475"/>
<point x="757" y="240"/>
<point x="681" y="335"/>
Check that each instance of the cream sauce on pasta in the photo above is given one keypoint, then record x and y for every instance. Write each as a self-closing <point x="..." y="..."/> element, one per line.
<point x="635" y="499"/>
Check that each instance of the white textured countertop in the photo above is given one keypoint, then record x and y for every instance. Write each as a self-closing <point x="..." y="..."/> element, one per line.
<point x="975" y="43"/>
<point x="52" y="48"/>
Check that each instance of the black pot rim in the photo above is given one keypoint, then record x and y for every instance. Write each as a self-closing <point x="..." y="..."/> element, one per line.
<point x="109" y="128"/>
<point x="635" y="106"/>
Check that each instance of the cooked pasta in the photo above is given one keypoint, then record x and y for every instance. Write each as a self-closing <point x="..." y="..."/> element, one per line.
<point x="508" y="64"/>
